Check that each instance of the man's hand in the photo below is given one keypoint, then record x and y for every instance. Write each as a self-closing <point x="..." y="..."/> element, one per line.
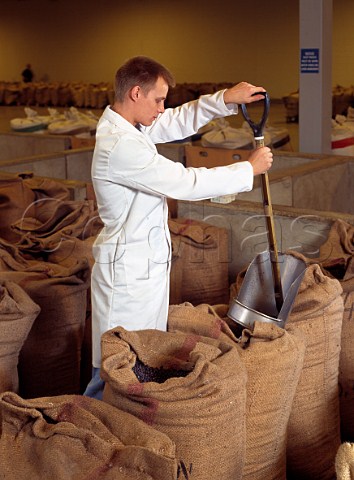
<point x="261" y="160"/>
<point x="243" y="93"/>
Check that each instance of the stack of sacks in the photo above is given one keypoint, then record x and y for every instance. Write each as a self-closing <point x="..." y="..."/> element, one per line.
<point x="199" y="271"/>
<point x="342" y="98"/>
<point x="42" y="94"/>
<point x="11" y="93"/>
<point x="27" y="94"/>
<point x="78" y="94"/>
<point x="314" y="425"/>
<point x="47" y="250"/>
<point x="97" y="96"/>
<point x="75" y="437"/>
<point x="345" y="462"/>
<point x="179" y="94"/>
<point x="337" y="261"/>
<point x="291" y="103"/>
<point x="59" y="231"/>
<point x="15" y="198"/>
<point x="64" y="94"/>
<point x="17" y="315"/>
<point x="273" y="359"/>
<point x="50" y="358"/>
<point x="2" y="88"/>
<point x="337" y="265"/>
<point x="189" y="387"/>
<point x="53" y="93"/>
<point x="224" y="401"/>
<point x="313" y="430"/>
<point x="24" y="197"/>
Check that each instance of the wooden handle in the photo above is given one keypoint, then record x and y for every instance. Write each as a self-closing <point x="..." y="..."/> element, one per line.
<point x="272" y="240"/>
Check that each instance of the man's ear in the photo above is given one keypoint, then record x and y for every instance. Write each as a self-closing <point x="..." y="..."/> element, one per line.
<point x="135" y="93"/>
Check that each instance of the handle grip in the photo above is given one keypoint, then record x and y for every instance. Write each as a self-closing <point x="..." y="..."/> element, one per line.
<point x="257" y="128"/>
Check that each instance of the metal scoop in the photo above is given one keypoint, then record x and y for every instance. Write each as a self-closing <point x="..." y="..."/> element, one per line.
<point x="256" y="301"/>
<point x="272" y="279"/>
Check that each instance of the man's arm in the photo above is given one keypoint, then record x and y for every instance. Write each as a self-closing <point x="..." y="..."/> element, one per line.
<point x="243" y="92"/>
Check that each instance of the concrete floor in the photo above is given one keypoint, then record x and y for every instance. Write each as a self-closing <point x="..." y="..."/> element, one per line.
<point x="277" y="118"/>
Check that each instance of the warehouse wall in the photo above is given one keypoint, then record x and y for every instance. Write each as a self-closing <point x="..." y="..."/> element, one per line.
<point x="200" y="40"/>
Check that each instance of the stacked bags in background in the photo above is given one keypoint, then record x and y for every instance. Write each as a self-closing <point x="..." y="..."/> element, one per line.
<point x="237" y="407"/>
<point x="200" y="262"/>
<point x="201" y="400"/>
<point x="336" y="259"/>
<point x="17" y="315"/>
<point x="45" y="249"/>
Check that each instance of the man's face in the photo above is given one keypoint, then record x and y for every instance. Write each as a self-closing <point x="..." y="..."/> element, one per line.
<point x="151" y="104"/>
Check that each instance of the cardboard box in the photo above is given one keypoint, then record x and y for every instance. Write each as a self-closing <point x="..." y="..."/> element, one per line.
<point x="174" y="151"/>
<point x="197" y="156"/>
<point x="82" y="142"/>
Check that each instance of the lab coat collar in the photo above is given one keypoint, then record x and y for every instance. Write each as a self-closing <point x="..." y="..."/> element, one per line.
<point x="114" y="117"/>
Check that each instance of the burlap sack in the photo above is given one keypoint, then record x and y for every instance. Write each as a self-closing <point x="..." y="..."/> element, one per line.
<point x="203" y="320"/>
<point x="339" y="244"/>
<point x="49" y="361"/>
<point x="199" y="262"/>
<point x="337" y="261"/>
<point x="15" y="198"/>
<point x="346" y="363"/>
<point x="344" y="463"/>
<point x="63" y="232"/>
<point x="17" y="314"/>
<point x="46" y="188"/>
<point x="194" y="392"/>
<point x="273" y="359"/>
<point x="54" y="221"/>
<point x="314" y="425"/>
<point x="70" y="249"/>
<point x="236" y="285"/>
<point x="75" y="437"/>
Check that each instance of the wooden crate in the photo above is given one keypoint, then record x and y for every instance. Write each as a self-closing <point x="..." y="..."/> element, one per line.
<point x="197" y="156"/>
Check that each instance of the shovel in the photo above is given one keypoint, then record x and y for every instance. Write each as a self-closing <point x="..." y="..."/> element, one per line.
<point x="272" y="280"/>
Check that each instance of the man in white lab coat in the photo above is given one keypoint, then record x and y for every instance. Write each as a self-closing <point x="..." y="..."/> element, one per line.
<point x="130" y="278"/>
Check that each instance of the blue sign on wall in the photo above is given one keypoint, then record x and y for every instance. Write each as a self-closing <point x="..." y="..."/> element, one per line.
<point x="310" y="60"/>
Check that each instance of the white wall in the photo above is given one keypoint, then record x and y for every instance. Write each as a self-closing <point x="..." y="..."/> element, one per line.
<point x="199" y="40"/>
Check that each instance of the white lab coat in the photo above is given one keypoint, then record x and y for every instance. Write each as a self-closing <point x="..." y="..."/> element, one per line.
<point x="130" y="278"/>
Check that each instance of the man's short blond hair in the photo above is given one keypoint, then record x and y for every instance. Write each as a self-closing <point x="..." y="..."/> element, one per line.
<point x="141" y="71"/>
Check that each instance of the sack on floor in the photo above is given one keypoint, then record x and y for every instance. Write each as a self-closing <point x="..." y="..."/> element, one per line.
<point x="54" y="222"/>
<point x="17" y="314"/>
<point x="46" y="187"/>
<point x="190" y="387"/>
<point x="314" y="424"/>
<point x="273" y="359"/>
<point x="339" y="244"/>
<point x="345" y="462"/>
<point x="200" y="262"/>
<point x="337" y="261"/>
<point x="49" y="362"/>
<point x="15" y="198"/>
<point x="75" y="437"/>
